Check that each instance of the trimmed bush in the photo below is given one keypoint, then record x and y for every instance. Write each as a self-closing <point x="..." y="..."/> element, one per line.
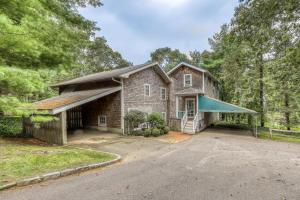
<point x="162" y="131"/>
<point x="156" y="132"/>
<point x="156" y="120"/>
<point x="166" y="130"/>
<point x="147" y="132"/>
<point x="137" y="133"/>
<point x="11" y="127"/>
<point x="132" y="119"/>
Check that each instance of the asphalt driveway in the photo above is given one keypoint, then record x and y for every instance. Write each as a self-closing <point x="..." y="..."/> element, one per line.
<point x="216" y="164"/>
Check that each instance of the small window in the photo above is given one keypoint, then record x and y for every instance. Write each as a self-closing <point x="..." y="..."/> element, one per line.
<point x="164" y="116"/>
<point x="163" y="95"/>
<point x="187" y="80"/>
<point x="147" y="90"/>
<point x="102" y="120"/>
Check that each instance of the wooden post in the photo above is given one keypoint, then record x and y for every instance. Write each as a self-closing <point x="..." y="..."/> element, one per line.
<point x="63" y="127"/>
<point x="270" y="129"/>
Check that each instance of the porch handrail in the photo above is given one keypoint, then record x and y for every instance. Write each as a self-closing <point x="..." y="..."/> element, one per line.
<point x="195" y="122"/>
<point x="183" y="121"/>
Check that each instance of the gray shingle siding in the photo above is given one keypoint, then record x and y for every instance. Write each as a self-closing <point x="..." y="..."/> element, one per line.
<point x="134" y="97"/>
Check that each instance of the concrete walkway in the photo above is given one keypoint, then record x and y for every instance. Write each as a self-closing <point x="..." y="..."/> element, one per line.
<point x="213" y="165"/>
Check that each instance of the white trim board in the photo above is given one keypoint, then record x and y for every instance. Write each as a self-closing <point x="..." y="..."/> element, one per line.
<point x="184" y="80"/>
<point x="145" y="95"/>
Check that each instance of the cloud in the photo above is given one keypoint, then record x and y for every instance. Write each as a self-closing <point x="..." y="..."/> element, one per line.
<point x="136" y="28"/>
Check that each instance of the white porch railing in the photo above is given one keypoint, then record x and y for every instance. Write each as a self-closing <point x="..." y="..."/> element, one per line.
<point x="196" y="123"/>
<point x="183" y="121"/>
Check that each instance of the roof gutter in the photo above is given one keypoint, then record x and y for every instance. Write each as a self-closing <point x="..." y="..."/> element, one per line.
<point x="113" y="79"/>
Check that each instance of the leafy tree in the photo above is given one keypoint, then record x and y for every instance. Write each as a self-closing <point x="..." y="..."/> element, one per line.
<point x="100" y="57"/>
<point x="45" y="41"/>
<point x="259" y="54"/>
<point x="168" y="58"/>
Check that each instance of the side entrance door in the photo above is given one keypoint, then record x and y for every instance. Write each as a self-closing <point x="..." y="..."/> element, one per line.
<point x="190" y="107"/>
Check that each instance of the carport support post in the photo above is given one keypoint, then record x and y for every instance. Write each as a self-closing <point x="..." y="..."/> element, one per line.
<point x="63" y="127"/>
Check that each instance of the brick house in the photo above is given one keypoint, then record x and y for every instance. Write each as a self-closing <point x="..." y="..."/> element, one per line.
<point x="101" y="100"/>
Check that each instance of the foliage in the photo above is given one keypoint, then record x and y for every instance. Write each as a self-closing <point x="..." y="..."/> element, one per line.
<point x="168" y="58"/>
<point x="279" y="137"/>
<point x="100" y="57"/>
<point x="155" y="124"/>
<point x="133" y="119"/>
<point x="137" y="132"/>
<point x="156" y="120"/>
<point x="147" y="132"/>
<point x="42" y="118"/>
<point x="166" y="130"/>
<point x="257" y="59"/>
<point x="156" y="132"/>
<point x="43" y="42"/>
<point x="11" y="127"/>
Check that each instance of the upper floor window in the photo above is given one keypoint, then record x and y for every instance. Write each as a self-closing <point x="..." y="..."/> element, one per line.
<point x="163" y="93"/>
<point x="187" y="80"/>
<point x="147" y="90"/>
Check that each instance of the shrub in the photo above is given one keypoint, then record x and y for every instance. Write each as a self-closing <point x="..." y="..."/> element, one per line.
<point x="162" y="131"/>
<point x="11" y="127"/>
<point x="137" y="133"/>
<point x="156" y="132"/>
<point x="147" y="132"/>
<point x="133" y="118"/>
<point x="166" y="130"/>
<point x="156" y="120"/>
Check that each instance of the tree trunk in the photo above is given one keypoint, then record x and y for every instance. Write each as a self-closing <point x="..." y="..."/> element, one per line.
<point x="287" y="112"/>
<point x="261" y="91"/>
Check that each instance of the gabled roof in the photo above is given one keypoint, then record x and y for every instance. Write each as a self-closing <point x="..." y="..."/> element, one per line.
<point x="192" y="67"/>
<point x="72" y="99"/>
<point x="117" y="73"/>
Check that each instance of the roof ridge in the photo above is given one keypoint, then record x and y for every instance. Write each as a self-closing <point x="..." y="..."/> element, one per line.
<point x="114" y="72"/>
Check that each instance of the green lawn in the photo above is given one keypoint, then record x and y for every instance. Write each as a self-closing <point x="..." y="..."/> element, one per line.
<point x="18" y="161"/>
<point x="279" y="137"/>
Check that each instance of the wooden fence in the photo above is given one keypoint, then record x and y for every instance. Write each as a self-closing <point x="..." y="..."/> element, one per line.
<point x="285" y="132"/>
<point x="53" y="132"/>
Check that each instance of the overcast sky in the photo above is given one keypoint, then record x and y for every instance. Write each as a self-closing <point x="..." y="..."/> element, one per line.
<point x="135" y="28"/>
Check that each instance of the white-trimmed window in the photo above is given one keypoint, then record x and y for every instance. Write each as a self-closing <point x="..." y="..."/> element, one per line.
<point x="163" y="93"/>
<point x="187" y="81"/>
<point x="164" y="115"/>
<point x="102" y="120"/>
<point x="147" y="89"/>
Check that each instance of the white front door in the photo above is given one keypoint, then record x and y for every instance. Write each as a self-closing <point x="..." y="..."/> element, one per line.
<point x="190" y="107"/>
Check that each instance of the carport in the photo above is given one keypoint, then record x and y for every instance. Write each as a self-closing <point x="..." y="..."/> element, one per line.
<point x="71" y="110"/>
<point x="211" y="105"/>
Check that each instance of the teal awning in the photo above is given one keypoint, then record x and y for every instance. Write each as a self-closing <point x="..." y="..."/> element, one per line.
<point x="207" y="104"/>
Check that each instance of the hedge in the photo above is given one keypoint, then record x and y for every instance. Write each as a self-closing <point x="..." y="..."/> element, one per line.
<point x="11" y="127"/>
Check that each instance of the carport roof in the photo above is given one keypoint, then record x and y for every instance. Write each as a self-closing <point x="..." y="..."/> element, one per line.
<point x="70" y="100"/>
<point x="207" y="104"/>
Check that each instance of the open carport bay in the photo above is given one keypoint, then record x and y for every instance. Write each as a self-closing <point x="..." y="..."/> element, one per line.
<point x="216" y="164"/>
